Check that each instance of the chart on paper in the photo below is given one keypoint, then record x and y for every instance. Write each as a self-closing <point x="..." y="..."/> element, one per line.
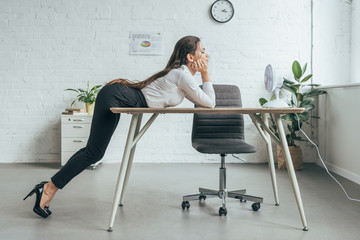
<point x="145" y="43"/>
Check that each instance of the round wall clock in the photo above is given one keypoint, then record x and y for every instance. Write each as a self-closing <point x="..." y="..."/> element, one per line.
<point x="222" y="11"/>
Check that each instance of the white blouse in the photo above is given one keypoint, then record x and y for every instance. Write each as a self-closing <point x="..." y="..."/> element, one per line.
<point x="170" y="90"/>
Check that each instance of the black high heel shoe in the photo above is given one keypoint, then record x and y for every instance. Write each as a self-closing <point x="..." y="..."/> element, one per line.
<point x="46" y="208"/>
<point x="39" y="189"/>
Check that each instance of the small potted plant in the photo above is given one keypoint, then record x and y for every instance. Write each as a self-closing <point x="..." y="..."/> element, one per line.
<point x="302" y="96"/>
<point x="87" y="96"/>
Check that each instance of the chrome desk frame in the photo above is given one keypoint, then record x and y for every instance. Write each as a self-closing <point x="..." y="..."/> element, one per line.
<point x="261" y="124"/>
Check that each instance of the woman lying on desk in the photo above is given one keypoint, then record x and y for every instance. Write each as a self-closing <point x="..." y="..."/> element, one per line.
<point x="166" y="88"/>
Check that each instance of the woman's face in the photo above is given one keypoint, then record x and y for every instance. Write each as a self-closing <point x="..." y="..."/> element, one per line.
<point x="200" y="53"/>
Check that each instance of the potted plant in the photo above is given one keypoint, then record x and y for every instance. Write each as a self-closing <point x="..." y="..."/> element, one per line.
<point x="302" y="96"/>
<point x="87" y="96"/>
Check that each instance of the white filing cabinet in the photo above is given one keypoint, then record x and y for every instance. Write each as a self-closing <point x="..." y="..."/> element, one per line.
<point x="75" y="130"/>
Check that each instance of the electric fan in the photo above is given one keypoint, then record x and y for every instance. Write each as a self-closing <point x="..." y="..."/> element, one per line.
<point x="273" y="83"/>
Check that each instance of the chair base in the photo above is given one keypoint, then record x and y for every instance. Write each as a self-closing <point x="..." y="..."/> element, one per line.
<point x="222" y="193"/>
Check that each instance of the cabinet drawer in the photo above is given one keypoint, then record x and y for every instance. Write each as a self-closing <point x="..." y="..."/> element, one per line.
<point x="72" y="144"/>
<point x="65" y="119"/>
<point x="75" y="130"/>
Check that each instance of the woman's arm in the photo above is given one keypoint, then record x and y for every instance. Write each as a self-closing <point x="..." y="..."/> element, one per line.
<point x="209" y="99"/>
<point x="204" y="97"/>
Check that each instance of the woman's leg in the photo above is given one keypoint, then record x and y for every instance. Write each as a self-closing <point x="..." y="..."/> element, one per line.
<point x="103" y="125"/>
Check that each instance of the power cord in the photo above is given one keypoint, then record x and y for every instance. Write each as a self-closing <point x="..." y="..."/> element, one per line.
<point x="241" y="159"/>
<point x="327" y="170"/>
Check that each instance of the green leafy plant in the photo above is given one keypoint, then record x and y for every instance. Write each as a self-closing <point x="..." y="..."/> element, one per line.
<point x="86" y="96"/>
<point x="302" y="96"/>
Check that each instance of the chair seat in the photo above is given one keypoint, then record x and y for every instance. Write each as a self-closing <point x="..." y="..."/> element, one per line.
<point x="222" y="146"/>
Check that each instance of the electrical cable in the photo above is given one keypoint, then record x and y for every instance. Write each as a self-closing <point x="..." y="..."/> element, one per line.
<point x="327" y="170"/>
<point x="241" y="159"/>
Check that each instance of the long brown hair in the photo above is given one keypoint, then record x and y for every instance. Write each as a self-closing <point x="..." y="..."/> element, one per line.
<point x="182" y="48"/>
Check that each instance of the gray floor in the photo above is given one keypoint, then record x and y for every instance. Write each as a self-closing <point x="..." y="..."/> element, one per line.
<point x="152" y="207"/>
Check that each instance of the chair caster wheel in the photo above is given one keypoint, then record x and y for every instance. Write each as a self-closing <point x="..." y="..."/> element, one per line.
<point x="185" y="204"/>
<point x="201" y="197"/>
<point x="222" y="211"/>
<point x="255" y="206"/>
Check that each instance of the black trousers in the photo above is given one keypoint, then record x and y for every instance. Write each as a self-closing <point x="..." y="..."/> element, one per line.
<point x="103" y="125"/>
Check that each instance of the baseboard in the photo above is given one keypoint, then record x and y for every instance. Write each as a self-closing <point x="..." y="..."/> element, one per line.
<point x="342" y="172"/>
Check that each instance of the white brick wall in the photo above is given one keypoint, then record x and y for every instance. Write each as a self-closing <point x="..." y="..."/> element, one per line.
<point x="355" y="41"/>
<point x="47" y="46"/>
<point x="332" y="35"/>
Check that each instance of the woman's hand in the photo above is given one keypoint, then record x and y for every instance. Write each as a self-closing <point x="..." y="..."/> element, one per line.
<point x="200" y="65"/>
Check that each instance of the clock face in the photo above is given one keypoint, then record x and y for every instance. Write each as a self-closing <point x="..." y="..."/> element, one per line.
<point x="222" y="11"/>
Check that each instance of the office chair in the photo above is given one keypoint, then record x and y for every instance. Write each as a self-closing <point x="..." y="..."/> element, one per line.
<point x="221" y="134"/>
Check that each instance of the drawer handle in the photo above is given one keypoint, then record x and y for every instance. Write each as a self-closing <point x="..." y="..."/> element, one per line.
<point x="79" y="120"/>
<point x="78" y="140"/>
<point x="78" y="126"/>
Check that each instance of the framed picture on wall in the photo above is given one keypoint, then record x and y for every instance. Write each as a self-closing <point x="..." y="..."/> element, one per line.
<point x="146" y="43"/>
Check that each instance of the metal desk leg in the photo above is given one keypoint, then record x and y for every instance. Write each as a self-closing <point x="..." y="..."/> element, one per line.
<point x="128" y="168"/>
<point x="267" y="138"/>
<point x="271" y="161"/>
<point x="124" y="164"/>
<point x="290" y="169"/>
<point x="138" y="135"/>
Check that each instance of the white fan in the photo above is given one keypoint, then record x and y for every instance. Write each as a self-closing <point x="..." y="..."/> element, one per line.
<point x="273" y="83"/>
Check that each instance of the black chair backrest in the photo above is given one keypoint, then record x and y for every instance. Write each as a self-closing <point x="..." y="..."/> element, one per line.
<point x="220" y="126"/>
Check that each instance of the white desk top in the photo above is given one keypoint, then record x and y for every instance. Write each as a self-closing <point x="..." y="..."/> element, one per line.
<point x="208" y="110"/>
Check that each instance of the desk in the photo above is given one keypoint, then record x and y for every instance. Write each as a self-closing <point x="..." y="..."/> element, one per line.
<point x="262" y="125"/>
